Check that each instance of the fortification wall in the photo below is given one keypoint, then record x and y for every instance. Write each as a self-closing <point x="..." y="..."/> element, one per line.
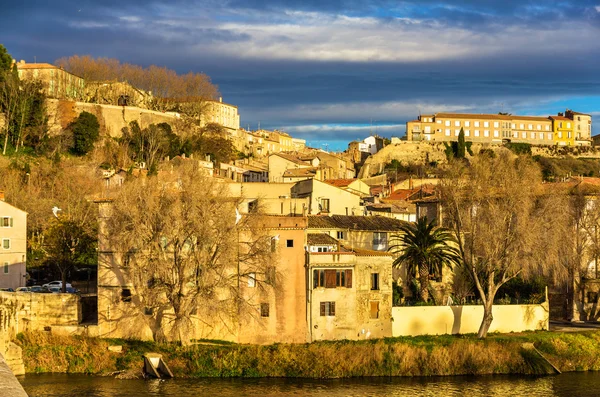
<point x="112" y="118"/>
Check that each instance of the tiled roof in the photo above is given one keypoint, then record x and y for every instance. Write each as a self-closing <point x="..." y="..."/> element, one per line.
<point x="406" y="194"/>
<point x="375" y="223"/>
<point x="366" y="252"/>
<point x="300" y="172"/>
<point x="339" y="182"/>
<point x="392" y="208"/>
<point x="560" y="118"/>
<point x="320" y="239"/>
<point x="292" y="158"/>
<point x="489" y="116"/>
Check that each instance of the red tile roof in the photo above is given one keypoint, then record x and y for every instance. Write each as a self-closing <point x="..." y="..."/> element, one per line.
<point x="339" y="182"/>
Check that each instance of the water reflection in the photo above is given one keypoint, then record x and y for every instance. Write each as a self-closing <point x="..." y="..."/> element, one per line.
<point x="567" y="385"/>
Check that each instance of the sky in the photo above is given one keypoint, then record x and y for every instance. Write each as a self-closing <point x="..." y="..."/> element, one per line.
<point x="332" y="71"/>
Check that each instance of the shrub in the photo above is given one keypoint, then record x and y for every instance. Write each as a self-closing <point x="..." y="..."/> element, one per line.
<point x="86" y="130"/>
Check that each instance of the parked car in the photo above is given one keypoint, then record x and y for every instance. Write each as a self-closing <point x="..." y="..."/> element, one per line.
<point x="7" y="289"/>
<point x="55" y="290"/>
<point x="56" y="284"/>
<point x="35" y="288"/>
<point x="72" y="290"/>
<point x="23" y="289"/>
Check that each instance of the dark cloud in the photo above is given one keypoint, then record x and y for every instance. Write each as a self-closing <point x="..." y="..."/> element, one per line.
<point x="298" y="92"/>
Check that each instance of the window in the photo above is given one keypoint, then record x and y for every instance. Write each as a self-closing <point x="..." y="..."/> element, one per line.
<point x="533" y="135"/>
<point x="496" y="124"/>
<point x="327" y="308"/>
<point x="375" y="281"/>
<point x="6" y="243"/>
<point x="560" y="124"/>
<point x="456" y="132"/>
<point x="569" y="134"/>
<point x="251" y="280"/>
<point x="560" y="134"/>
<point x="486" y="133"/>
<point x="6" y="221"/>
<point x="264" y="310"/>
<point x="467" y="123"/>
<point x="374" y="310"/>
<point x="324" y="206"/>
<point x="340" y="235"/>
<point x="547" y="128"/>
<point x="332" y="278"/>
<point x="524" y="135"/>
<point x="521" y="126"/>
<point x="530" y="126"/>
<point x="486" y="123"/>
<point x="476" y="132"/>
<point x="496" y="134"/>
<point x="550" y="136"/>
<point x="5" y="267"/>
<point x="477" y="124"/>
<point x="539" y="127"/>
<point x="467" y="132"/>
<point x="568" y="125"/>
<point x="447" y="123"/>
<point x="447" y="132"/>
<point x="125" y="295"/>
<point x="289" y="243"/>
<point x="513" y="125"/>
<point x="379" y="241"/>
<point x="457" y="123"/>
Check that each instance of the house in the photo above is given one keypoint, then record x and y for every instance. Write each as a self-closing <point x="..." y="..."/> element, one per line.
<point x="352" y="185"/>
<point x="350" y="291"/>
<point x="279" y="163"/>
<point x="370" y="233"/>
<point x="324" y="198"/>
<point x="13" y="248"/>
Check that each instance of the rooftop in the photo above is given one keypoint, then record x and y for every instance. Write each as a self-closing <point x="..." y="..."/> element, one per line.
<point x="340" y="182"/>
<point x="320" y="239"/>
<point x="374" y="223"/>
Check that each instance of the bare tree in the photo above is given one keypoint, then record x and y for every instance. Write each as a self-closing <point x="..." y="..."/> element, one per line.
<point x="502" y="220"/>
<point x="178" y="241"/>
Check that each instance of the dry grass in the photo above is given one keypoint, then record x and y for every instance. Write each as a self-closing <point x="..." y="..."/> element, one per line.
<point x="421" y="356"/>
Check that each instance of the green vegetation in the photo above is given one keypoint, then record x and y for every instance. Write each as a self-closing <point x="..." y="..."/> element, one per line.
<point x="458" y="150"/>
<point x="519" y="148"/>
<point x="424" y="249"/>
<point x="405" y="356"/>
<point x="86" y="131"/>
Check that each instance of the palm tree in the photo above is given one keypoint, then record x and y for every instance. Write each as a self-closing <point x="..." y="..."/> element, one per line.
<point x="424" y="249"/>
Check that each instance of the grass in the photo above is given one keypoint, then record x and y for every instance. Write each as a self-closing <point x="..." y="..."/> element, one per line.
<point x="404" y="356"/>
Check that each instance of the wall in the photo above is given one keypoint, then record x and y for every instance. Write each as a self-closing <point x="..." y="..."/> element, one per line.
<point x="438" y="320"/>
<point x="341" y="202"/>
<point x="27" y="311"/>
<point x="352" y="319"/>
<point x="112" y="118"/>
<point x="17" y="254"/>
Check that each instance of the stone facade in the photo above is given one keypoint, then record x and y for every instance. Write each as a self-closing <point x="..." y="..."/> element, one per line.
<point x="57" y="82"/>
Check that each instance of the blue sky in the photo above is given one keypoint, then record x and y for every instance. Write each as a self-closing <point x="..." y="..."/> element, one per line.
<point x="333" y="71"/>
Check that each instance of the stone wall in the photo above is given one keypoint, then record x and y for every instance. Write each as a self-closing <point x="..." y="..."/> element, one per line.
<point x="112" y="118"/>
<point x="26" y="311"/>
<point x="439" y="320"/>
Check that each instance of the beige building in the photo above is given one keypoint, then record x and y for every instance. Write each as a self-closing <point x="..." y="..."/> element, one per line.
<point x="221" y="113"/>
<point x="498" y="128"/>
<point x="352" y="185"/>
<point x="350" y="295"/>
<point x="13" y="245"/>
<point x="279" y="163"/>
<point x="371" y="233"/>
<point x="57" y="82"/>
<point x="327" y="199"/>
<point x="582" y="126"/>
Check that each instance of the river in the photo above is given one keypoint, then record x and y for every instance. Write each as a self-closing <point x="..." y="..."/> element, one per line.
<point x="567" y="385"/>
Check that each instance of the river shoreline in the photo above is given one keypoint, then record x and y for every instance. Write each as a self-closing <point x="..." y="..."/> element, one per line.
<point x="446" y="355"/>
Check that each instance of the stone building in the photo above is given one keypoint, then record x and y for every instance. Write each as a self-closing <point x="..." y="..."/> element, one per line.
<point x="57" y="82"/>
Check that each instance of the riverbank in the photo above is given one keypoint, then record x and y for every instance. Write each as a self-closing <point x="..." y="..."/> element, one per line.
<point x="409" y="356"/>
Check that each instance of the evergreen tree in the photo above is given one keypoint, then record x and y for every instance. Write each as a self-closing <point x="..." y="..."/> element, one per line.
<point x="461" y="148"/>
<point x="86" y="131"/>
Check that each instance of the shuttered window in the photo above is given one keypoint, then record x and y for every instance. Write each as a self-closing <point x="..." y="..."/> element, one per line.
<point x="6" y="221"/>
<point x="327" y="308"/>
<point x="374" y="309"/>
<point x="264" y="310"/>
<point x="330" y="278"/>
<point x="375" y="281"/>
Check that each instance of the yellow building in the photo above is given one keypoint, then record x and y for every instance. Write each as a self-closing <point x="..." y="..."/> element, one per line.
<point x="57" y="82"/>
<point x="563" y="131"/>
<point x="499" y="128"/>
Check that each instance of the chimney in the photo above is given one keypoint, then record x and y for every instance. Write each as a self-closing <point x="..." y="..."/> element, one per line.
<point x="1" y="195"/>
<point x="221" y="99"/>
